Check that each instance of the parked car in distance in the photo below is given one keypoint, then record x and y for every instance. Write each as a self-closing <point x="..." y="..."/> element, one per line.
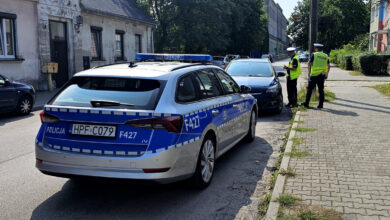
<point x="304" y="57"/>
<point x="156" y="121"/>
<point x="268" y="56"/>
<point x="228" y="58"/>
<point x="259" y="75"/>
<point x="218" y="61"/>
<point x="16" y="96"/>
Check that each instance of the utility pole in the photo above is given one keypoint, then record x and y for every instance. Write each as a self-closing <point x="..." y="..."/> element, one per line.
<point x="313" y="28"/>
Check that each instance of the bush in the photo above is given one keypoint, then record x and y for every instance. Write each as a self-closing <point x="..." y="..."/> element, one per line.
<point x="373" y="64"/>
<point x="356" y="62"/>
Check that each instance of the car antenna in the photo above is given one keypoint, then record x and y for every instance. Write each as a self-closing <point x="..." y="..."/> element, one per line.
<point x="132" y="65"/>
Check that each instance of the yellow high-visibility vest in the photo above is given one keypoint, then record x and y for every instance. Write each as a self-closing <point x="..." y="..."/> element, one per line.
<point x="320" y="64"/>
<point x="294" y="74"/>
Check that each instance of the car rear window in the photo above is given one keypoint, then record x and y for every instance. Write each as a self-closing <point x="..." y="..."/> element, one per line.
<point x="134" y="93"/>
<point x="262" y="69"/>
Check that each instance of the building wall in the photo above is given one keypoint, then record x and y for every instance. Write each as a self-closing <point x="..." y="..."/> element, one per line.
<point x="379" y="27"/>
<point x="109" y="25"/>
<point x="26" y="67"/>
<point x="277" y="26"/>
<point x="57" y="10"/>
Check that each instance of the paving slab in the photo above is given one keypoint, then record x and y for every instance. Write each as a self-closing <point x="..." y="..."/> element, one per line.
<point x="347" y="169"/>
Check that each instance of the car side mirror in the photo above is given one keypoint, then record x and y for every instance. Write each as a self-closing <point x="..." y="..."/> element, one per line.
<point x="245" y="89"/>
<point x="281" y="74"/>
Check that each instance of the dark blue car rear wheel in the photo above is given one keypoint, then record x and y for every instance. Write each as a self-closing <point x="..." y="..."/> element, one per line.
<point x="24" y="105"/>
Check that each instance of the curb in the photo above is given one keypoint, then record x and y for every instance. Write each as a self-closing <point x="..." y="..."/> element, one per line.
<point x="273" y="207"/>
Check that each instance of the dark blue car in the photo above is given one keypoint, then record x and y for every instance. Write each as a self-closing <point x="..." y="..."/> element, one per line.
<point x="16" y="97"/>
<point x="259" y="75"/>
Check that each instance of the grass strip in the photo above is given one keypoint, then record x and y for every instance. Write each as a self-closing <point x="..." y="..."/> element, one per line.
<point x="290" y="172"/>
<point x="287" y="200"/>
<point x="356" y="73"/>
<point x="304" y="129"/>
<point x="384" y="89"/>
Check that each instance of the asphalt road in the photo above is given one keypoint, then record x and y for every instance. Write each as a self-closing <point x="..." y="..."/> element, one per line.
<point x="25" y="193"/>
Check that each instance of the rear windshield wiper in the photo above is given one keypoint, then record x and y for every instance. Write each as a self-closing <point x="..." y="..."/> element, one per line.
<point x="103" y="103"/>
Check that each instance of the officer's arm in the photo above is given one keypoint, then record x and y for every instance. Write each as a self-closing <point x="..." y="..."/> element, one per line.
<point x="294" y="65"/>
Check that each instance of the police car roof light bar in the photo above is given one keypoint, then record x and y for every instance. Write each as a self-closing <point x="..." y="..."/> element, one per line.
<point x="203" y="58"/>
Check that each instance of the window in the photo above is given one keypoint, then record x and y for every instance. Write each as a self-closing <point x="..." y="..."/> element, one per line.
<point x="209" y="84"/>
<point x="186" y="91"/>
<point x="141" y="93"/>
<point x="7" y="35"/>
<point x="251" y="69"/>
<point x="119" y="53"/>
<point x="96" y="43"/>
<point x="138" y="43"/>
<point x="228" y="83"/>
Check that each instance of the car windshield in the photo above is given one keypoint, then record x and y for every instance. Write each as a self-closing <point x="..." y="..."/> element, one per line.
<point x="261" y="69"/>
<point x="126" y="92"/>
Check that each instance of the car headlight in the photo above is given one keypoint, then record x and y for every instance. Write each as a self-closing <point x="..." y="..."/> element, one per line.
<point x="273" y="89"/>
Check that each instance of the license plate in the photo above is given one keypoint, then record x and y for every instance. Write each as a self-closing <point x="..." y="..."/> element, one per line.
<point x="94" y="130"/>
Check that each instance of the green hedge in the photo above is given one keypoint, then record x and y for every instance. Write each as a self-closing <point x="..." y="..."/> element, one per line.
<point x="373" y="64"/>
<point x="349" y="58"/>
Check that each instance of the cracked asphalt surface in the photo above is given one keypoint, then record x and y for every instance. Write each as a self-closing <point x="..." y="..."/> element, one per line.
<point x="241" y="177"/>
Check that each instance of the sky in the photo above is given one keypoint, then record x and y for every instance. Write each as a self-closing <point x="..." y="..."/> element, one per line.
<point x="287" y="6"/>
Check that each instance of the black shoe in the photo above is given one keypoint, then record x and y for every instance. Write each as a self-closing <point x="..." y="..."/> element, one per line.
<point x="294" y="106"/>
<point x="304" y="105"/>
<point x="320" y="107"/>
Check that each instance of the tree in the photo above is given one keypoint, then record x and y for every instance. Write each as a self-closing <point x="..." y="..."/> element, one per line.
<point x="340" y="21"/>
<point x="208" y="26"/>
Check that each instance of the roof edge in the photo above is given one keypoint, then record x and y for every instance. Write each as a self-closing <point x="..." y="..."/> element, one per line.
<point x="84" y="9"/>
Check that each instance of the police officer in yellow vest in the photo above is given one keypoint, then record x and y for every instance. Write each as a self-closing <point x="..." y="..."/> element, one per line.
<point x="320" y="66"/>
<point x="293" y="73"/>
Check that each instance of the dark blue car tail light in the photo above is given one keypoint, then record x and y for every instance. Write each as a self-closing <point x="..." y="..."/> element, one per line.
<point x="172" y="124"/>
<point x="48" y="118"/>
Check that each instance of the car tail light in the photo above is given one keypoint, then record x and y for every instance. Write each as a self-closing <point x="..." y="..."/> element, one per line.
<point x="48" y="118"/>
<point x="171" y="124"/>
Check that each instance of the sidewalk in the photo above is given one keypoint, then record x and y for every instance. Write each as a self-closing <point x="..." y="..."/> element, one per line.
<point x="349" y="158"/>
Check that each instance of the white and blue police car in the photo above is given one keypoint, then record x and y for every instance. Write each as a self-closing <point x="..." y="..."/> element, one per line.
<point x="160" y="121"/>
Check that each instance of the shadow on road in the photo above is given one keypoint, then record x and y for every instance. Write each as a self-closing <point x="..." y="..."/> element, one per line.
<point x="236" y="176"/>
<point x="11" y="117"/>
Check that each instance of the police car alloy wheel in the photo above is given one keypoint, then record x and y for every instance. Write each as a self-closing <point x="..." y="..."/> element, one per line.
<point x="205" y="166"/>
<point x="24" y="105"/>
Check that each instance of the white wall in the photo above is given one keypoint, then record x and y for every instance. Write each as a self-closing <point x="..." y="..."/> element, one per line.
<point x="26" y="42"/>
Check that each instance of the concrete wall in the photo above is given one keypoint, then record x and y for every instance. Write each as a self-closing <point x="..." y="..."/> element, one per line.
<point x="27" y="68"/>
<point x="109" y="25"/>
<point x="277" y="25"/>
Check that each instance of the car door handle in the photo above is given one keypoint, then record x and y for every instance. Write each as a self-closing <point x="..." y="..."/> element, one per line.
<point x="215" y="112"/>
<point x="235" y="106"/>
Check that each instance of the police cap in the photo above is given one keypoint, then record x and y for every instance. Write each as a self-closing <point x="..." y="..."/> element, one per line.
<point x="319" y="46"/>
<point x="291" y="49"/>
